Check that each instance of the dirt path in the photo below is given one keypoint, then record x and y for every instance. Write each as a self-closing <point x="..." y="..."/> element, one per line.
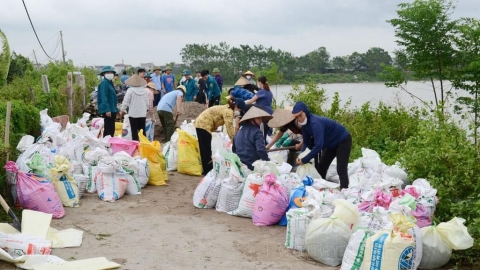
<point x="161" y="229"/>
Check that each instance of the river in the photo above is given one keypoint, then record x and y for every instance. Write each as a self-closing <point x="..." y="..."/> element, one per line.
<point x="360" y="93"/>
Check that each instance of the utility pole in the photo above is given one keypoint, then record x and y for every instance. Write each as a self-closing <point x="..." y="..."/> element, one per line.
<point x="63" y="51"/>
<point x="36" y="61"/>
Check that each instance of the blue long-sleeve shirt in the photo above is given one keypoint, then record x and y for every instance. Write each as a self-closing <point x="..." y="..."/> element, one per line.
<point x="192" y="89"/>
<point x="325" y="133"/>
<point x="249" y="145"/>
<point x="219" y="80"/>
<point x="212" y="88"/>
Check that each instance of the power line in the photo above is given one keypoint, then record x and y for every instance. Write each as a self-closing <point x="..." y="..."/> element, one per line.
<point x="34" y="30"/>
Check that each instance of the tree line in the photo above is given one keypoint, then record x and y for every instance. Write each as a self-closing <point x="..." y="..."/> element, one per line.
<point x="232" y="61"/>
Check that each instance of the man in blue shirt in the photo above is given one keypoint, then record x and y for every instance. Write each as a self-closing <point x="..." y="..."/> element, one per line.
<point x="211" y="88"/>
<point x="156" y="78"/>
<point x="165" y="110"/>
<point x="168" y="81"/>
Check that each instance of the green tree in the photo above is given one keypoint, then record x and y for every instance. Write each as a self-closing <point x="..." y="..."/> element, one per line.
<point x="467" y="76"/>
<point x="315" y="61"/>
<point x="425" y="33"/>
<point x="356" y="61"/>
<point x="375" y="58"/>
<point x="4" y="58"/>
<point x="340" y="63"/>
<point x="19" y="65"/>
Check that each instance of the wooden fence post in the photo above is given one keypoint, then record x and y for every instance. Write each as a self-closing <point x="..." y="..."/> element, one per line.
<point x="32" y="94"/>
<point x="84" y="90"/>
<point x="7" y="129"/>
<point x="45" y="84"/>
<point x="70" y="94"/>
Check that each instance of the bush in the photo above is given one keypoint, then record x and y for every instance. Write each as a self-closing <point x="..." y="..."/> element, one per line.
<point x="438" y="150"/>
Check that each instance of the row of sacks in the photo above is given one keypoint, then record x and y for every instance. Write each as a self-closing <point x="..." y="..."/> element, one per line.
<point x="78" y="161"/>
<point x="182" y="152"/>
<point x="368" y="226"/>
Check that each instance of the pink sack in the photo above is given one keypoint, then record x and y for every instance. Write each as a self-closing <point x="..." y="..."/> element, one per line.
<point x="422" y="216"/>
<point x="412" y="191"/>
<point x="119" y="144"/>
<point x="380" y="199"/>
<point x="271" y="203"/>
<point x="36" y="192"/>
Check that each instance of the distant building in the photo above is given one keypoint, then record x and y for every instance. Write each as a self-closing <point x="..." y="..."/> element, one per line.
<point x="147" y="66"/>
<point x="119" y="68"/>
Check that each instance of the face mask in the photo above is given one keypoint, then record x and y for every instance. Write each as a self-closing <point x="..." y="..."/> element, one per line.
<point x="108" y="76"/>
<point x="304" y="122"/>
<point x="237" y="113"/>
<point x="249" y="77"/>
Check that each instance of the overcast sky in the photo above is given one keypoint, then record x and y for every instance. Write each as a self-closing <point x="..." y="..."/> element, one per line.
<point x="100" y="32"/>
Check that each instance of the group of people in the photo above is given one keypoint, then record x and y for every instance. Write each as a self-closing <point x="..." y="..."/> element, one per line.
<point x="248" y="116"/>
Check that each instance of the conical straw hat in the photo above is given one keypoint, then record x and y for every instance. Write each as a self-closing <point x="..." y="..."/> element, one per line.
<point x="255" y="112"/>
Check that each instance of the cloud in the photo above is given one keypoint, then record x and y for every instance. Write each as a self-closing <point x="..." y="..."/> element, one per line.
<point x="100" y="32"/>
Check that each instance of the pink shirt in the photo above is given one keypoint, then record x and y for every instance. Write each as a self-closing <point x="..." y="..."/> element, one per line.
<point x="150" y="103"/>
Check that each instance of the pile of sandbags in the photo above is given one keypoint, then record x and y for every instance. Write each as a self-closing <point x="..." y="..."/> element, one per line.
<point x="381" y="221"/>
<point x="78" y="159"/>
<point x="182" y="152"/>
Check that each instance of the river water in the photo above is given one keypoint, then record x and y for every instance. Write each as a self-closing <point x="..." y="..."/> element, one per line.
<point x="360" y="93"/>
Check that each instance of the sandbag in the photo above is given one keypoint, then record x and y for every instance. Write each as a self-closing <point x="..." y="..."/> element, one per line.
<point x="129" y="168"/>
<point x="126" y="130"/>
<point x="90" y="172"/>
<point x="111" y="184"/>
<point x="150" y="129"/>
<point x="307" y="169"/>
<point x="81" y="181"/>
<point x="38" y="166"/>
<point x="355" y="251"/>
<point x="251" y="188"/>
<point x="207" y="191"/>
<point x="290" y="181"/>
<point x="25" y="143"/>
<point x="271" y="203"/>
<point x="298" y="220"/>
<point x="171" y="157"/>
<point x="397" y="248"/>
<point x="231" y="188"/>
<point x="297" y="196"/>
<point x="327" y="239"/>
<point x="152" y="151"/>
<point x="438" y="242"/>
<point x="64" y="183"/>
<point x="36" y="192"/>
<point x="189" y="161"/>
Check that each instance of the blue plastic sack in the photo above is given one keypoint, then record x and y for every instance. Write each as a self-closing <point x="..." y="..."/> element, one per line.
<point x="297" y="196"/>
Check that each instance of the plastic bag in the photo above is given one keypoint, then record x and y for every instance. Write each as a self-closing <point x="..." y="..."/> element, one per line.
<point x="18" y="245"/>
<point x="152" y="151"/>
<point x="307" y="169"/>
<point x="290" y="181"/>
<point x="25" y="143"/>
<point x="231" y="189"/>
<point x="355" y="251"/>
<point x="83" y="121"/>
<point x="150" y="129"/>
<point x="126" y="131"/>
<point x="170" y="155"/>
<point x="189" y="161"/>
<point x="37" y="165"/>
<point x="327" y="239"/>
<point x="207" y="191"/>
<point x="82" y="181"/>
<point x="130" y="171"/>
<point x="64" y="183"/>
<point x="297" y="196"/>
<point x="271" y="203"/>
<point x="36" y="192"/>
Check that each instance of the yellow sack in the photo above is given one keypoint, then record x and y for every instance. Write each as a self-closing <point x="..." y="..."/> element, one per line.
<point x="189" y="161"/>
<point x="118" y="129"/>
<point x="64" y="183"/>
<point x="152" y="151"/>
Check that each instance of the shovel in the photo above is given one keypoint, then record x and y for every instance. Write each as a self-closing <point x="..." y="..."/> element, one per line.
<point x="282" y="148"/>
<point x="16" y="223"/>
